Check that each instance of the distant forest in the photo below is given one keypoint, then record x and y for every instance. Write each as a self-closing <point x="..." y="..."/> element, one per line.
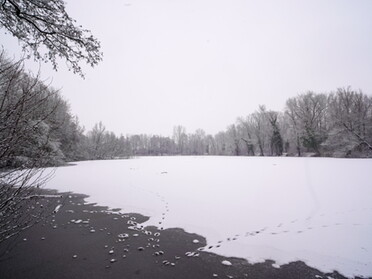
<point x="38" y="129"/>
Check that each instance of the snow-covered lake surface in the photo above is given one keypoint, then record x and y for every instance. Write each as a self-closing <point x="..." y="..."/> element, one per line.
<point x="316" y="210"/>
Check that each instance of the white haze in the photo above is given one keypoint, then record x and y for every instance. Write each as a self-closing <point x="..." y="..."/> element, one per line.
<point x="324" y="205"/>
<point x="203" y="63"/>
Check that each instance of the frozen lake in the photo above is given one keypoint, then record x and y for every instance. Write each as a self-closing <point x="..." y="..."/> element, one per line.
<point x="318" y="210"/>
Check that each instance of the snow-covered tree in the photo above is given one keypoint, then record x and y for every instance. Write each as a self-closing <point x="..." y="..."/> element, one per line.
<point x="197" y="143"/>
<point x="180" y="138"/>
<point x="45" y="25"/>
<point x="244" y="125"/>
<point x="233" y="140"/>
<point x="26" y="145"/>
<point x="276" y="140"/>
<point x="260" y="127"/>
<point x="350" y="120"/>
<point x="307" y="113"/>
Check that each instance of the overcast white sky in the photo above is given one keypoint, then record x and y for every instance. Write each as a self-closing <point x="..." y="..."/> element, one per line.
<point x="203" y="63"/>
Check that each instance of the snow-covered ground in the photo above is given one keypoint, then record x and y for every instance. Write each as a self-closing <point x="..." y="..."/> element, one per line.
<point x="312" y="209"/>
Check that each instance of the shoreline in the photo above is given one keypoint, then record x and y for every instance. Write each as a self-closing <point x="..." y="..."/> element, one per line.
<point x="84" y="240"/>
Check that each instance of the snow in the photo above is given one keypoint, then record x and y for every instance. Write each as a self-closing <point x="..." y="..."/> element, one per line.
<point x="225" y="262"/>
<point x="318" y="210"/>
<point x="275" y="265"/>
<point x="58" y="207"/>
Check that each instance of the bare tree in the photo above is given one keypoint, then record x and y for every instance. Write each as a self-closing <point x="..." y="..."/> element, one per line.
<point x="307" y="113"/>
<point x="221" y="140"/>
<point x="233" y="140"/>
<point x="276" y="140"/>
<point x="96" y="138"/>
<point x="26" y="146"/>
<point x="180" y="138"/>
<point x="211" y="148"/>
<point x="247" y="131"/>
<point x="350" y="117"/>
<point x="295" y="127"/>
<point x="39" y="24"/>
<point x="260" y="128"/>
<point x="197" y="143"/>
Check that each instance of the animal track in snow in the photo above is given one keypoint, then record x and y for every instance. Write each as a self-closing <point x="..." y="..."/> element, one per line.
<point x="286" y="229"/>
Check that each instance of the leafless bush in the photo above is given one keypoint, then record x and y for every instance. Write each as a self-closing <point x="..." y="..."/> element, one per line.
<point x="26" y="146"/>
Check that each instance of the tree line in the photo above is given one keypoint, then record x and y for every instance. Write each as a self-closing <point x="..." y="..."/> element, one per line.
<point x="337" y="124"/>
<point x="38" y="129"/>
